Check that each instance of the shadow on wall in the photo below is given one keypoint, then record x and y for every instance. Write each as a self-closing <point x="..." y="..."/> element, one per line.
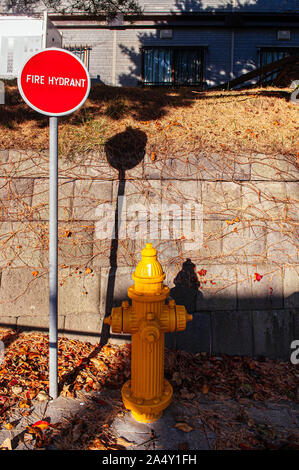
<point x="124" y="151"/>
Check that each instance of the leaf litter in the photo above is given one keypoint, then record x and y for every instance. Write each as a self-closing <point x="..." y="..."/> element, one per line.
<point x="218" y="391"/>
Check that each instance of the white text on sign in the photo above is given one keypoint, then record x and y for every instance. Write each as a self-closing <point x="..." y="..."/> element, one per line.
<point x="61" y="81"/>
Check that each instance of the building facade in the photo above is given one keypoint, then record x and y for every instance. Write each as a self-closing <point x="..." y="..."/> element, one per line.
<point x="182" y="42"/>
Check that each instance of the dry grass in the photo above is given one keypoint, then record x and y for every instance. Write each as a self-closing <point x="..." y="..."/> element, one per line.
<point x="176" y="121"/>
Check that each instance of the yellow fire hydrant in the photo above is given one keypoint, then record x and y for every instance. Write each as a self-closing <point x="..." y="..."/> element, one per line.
<point x="147" y="394"/>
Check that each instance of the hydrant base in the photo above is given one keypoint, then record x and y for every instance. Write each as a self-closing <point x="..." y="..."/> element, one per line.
<point x="146" y="411"/>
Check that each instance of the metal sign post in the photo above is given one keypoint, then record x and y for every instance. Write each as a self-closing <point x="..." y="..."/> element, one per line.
<point x="53" y="257"/>
<point x="54" y="82"/>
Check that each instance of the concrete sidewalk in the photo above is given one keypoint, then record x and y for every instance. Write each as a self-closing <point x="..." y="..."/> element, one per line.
<point x="201" y="424"/>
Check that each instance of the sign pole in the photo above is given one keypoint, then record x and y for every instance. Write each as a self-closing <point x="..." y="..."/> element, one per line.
<point x="53" y="257"/>
<point x="54" y="82"/>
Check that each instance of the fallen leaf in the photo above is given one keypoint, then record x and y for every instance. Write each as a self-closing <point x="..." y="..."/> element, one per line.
<point x="34" y="273"/>
<point x="42" y="396"/>
<point x="153" y="156"/>
<point x="186" y="394"/>
<point x="88" y="271"/>
<point x="8" y="426"/>
<point x="183" y="446"/>
<point x="123" y="442"/>
<point x="177" y="378"/>
<point x="6" y="444"/>
<point x="17" y="389"/>
<point x="24" y="404"/>
<point x="41" y="425"/>
<point x="205" y="389"/>
<point x="183" y="427"/>
<point x="98" y="363"/>
<point x="202" y="272"/>
<point x="257" y="277"/>
<point x="99" y="401"/>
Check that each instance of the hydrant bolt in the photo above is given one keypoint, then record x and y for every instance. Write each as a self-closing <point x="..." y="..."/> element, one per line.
<point x="147" y="394"/>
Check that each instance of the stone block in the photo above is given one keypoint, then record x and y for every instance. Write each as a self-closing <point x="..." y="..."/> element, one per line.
<point x="293" y="200"/>
<point x="114" y="253"/>
<point x="244" y="242"/>
<point x="9" y="321"/>
<point x="75" y="244"/>
<point x="264" y="201"/>
<point x="242" y="168"/>
<point x="232" y="333"/>
<point x="291" y="286"/>
<point x="221" y="200"/>
<point x="282" y="243"/>
<point x="15" y="198"/>
<point x="88" y="196"/>
<point x="22" y="293"/>
<point x="259" y="294"/>
<point x="277" y="168"/>
<point x="21" y="244"/>
<point x="26" y="164"/>
<point x="210" y="248"/>
<point x="179" y="198"/>
<point x="3" y="156"/>
<point x="84" y="326"/>
<point x="218" y="287"/>
<point x="214" y="166"/>
<point x="40" y="200"/>
<point x="79" y="292"/>
<point x="196" y="338"/>
<point x="272" y="333"/>
<point x="114" y="287"/>
<point x="180" y="168"/>
<point x="93" y="165"/>
<point x="38" y="322"/>
<point x="141" y="200"/>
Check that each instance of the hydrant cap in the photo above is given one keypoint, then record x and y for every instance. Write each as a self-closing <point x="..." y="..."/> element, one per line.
<point x="148" y="271"/>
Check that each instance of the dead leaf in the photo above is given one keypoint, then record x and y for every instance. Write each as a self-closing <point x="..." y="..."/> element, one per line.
<point x="88" y="271"/>
<point x="24" y="404"/>
<point x="42" y="396"/>
<point x="123" y="442"/>
<point x="34" y="273"/>
<point x="183" y="446"/>
<point x="8" y="426"/>
<point x="6" y="444"/>
<point x="41" y="425"/>
<point x="205" y="389"/>
<point x="97" y="445"/>
<point x="186" y="394"/>
<point x="98" y="363"/>
<point x="177" y="378"/>
<point x="183" y="427"/>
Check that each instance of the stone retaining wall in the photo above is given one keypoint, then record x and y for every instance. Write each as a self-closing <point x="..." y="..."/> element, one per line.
<point x="250" y="223"/>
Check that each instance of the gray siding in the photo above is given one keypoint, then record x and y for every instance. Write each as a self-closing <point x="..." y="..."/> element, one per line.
<point x="218" y="53"/>
<point x="220" y="5"/>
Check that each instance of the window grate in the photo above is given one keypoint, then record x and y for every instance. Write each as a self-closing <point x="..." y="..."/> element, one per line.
<point x="83" y="52"/>
<point x="173" y="66"/>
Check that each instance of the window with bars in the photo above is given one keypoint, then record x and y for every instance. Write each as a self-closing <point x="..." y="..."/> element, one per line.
<point x="83" y="52"/>
<point x="272" y="54"/>
<point x="173" y="65"/>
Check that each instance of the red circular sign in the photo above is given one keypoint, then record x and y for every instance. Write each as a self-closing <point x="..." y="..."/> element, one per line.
<point x="54" y="82"/>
